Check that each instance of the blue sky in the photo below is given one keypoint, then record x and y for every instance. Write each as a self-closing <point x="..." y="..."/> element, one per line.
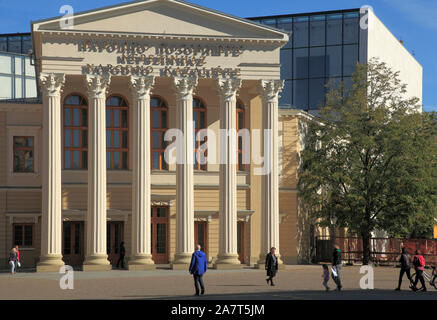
<point x="413" y="21"/>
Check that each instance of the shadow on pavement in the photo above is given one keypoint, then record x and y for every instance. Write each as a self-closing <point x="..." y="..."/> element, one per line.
<point x="307" y="295"/>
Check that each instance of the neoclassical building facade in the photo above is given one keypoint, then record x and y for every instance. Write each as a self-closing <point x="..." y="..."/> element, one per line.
<point x="85" y="168"/>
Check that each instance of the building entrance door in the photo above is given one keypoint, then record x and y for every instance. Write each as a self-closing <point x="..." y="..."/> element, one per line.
<point x="114" y="237"/>
<point x="200" y="235"/>
<point x="73" y="243"/>
<point x="160" y="234"/>
<point x="240" y="241"/>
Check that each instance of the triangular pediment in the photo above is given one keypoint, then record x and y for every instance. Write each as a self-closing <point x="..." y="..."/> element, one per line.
<point x="164" y="17"/>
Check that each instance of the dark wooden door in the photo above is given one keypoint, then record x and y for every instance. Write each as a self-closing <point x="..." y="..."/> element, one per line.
<point x="73" y="243"/>
<point x="160" y="234"/>
<point x="240" y="241"/>
<point x="114" y="237"/>
<point x="201" y="235"/>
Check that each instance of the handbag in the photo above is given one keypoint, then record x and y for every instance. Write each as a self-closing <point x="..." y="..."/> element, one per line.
<point x="334" y="272"/>
<point x="19" y="264"/>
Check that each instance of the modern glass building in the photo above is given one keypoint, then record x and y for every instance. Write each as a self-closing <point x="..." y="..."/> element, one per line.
<point x="17" y="74"/>
<point x="323" y="47"/>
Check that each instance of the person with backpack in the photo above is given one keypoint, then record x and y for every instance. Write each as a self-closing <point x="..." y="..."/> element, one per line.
<point x="336" y="266"/>
<point x="419" y="266"/>
<point x="405" y="268"/>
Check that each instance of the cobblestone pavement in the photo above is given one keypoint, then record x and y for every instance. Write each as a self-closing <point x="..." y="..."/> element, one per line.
<point x="294" y="282"/>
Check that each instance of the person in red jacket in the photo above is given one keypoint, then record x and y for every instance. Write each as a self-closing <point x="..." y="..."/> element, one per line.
<point x="419" y="266"/>
<point x="17" y="262"/>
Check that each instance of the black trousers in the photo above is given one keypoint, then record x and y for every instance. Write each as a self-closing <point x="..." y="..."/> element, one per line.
<point x="121" y="260"/>
<point x="401" y="275"/>
<point x="198" y="279"/>
<point x="419" y="276"/>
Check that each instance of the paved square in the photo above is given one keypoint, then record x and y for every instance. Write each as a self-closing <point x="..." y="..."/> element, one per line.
<point x="295" y="282"/>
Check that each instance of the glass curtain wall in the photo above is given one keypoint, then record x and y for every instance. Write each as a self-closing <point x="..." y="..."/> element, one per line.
<point x="322" y="48"/>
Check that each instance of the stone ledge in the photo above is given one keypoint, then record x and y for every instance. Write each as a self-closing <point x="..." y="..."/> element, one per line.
<point x="224" y="266"/>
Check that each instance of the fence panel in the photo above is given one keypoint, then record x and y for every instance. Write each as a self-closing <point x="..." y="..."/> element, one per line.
<point x="383" y="250"/>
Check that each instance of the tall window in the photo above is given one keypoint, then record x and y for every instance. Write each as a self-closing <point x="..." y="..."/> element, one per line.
<point x="159" y="121"/>
<point x="241" y="124"/>
<point x="199" y="118"/>
<point x="75" y="132"/>
<point x="117" y="133"/>
<point x="23" y="154"/>
<point x="23" y="235"/>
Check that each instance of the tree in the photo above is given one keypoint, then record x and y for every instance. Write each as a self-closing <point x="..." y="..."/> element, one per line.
<point x="370" y="158"/>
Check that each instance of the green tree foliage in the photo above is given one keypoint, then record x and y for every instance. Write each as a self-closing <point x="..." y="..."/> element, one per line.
<point x="370" y="159"/>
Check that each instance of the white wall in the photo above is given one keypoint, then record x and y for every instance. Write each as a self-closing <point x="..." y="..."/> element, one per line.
<point x="385" y="46"/>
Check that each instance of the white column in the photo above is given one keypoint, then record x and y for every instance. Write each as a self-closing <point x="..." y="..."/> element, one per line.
<point x="51" y="220"/>
<point x="184" y="87"/>
<point x="228" y="255"/>
<point x="270" y="90"/>
<point x="96" y="255"/>
<point x="141" y="257"/>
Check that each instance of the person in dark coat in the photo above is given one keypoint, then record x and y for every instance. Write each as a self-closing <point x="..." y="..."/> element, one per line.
<point x="405" y="261"/>
<point x="122" y="254"/>
<point x="198" y="267"/>
<point x="271" y="266"/>
<point x="337" y="263"/>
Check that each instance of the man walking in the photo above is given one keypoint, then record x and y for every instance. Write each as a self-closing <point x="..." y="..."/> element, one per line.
<point x="122" y="254"/>
<point x="336" y="263"/>
<point x="405" y="268"/>
<point x="419" y="266"/>
<point x="198" y="268"/>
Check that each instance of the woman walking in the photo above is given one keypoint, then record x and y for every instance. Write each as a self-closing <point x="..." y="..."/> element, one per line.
<point x="271" y="266"/>
<point x="13" y="259"/>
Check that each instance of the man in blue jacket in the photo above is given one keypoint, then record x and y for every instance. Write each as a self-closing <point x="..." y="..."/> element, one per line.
<point x="198" y="267"/>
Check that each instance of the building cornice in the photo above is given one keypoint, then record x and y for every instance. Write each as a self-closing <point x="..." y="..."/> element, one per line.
<point x="160" y="37"/>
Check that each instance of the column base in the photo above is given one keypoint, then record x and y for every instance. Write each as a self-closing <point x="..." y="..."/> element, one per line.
<point x="96" y="262"/>
<point x="227" y="262"/>
<point x="180" y="266"/>
<point x="141" y="262"/>
<point x="182" y="258"/>
<point x="50" y="263"/>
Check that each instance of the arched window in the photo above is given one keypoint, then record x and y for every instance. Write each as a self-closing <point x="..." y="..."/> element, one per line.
<point x="159" y="124"/>
<point x="241" y="124"/>
<point x="75" y="132"/>
<point x="117" y="133"/>
<point x="199" y="118"/>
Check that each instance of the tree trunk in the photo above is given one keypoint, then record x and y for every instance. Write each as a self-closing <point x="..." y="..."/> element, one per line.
<point x="366" y="248"/>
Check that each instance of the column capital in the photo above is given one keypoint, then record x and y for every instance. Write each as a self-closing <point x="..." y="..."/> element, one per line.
<point x="52" y="83"/>
<point x="184" y="86"/>
<point x="97" y="85"/>
<point x="228" y="87"/>
<point x="270" y="89"/>
<point x="141" y="86"/>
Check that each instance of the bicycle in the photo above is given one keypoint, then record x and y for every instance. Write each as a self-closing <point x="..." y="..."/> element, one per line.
<point x="430" y="278"/>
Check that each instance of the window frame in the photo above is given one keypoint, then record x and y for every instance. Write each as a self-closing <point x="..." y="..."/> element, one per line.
<point x="198" y="166"/>
<point x="161" y="130"/>
<point x="23" y="225"/>
<point x="240" y="151"/>
<point x="120" y="129"/>
<point x="23" y="161"/>
<point x="81" y="128"/>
